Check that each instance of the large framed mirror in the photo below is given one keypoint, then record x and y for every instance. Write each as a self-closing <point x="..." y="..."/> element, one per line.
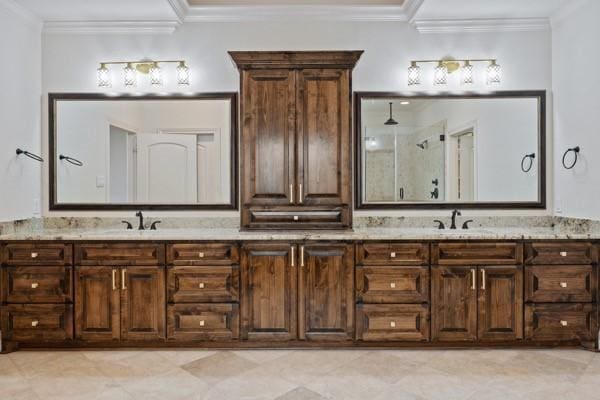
<point x="450" y="150"/>
<point x="155" y="152"/>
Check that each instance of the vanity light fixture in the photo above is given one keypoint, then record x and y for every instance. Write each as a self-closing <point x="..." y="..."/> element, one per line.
<point x="146" y="67"/>
<point x="448" y="66"/>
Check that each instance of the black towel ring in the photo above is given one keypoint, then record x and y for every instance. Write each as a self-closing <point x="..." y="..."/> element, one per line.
<point x="71" y="160"/>
<point x="575" y="151"/>
<point x="30" y="155"/>
<point x="525" y="157"/>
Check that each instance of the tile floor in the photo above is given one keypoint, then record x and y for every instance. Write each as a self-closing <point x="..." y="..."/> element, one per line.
<point x="301" y="374"/>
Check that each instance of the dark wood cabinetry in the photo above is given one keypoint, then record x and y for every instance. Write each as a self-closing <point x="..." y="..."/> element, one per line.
<point x="295" y="140"/>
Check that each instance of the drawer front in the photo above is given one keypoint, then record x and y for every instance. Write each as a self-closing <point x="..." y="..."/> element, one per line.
<point x="392" y="254"/>
<point x="202" y="322"/>
<point x="560" y="253"/>
<point x="477" y="253"/>
<point x="120" y="254"/>
<point x="392" y="284"/>
<point x="203" y="284"/>
<point x="560" y="322"/>
<point x="35" y="284"/>
<point x="392" y="322"/>
<point x="37" y="254"/>
<point x="290" y="218"/>
<point x="202" y="254"/>
<point x="556" y="284"/>
<point x="37" y="322"/>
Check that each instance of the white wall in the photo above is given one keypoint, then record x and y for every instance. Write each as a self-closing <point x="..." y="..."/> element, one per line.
<point x="20" y="90"/>
<point x="70" y="61"/>
<point x="576" y="86"/>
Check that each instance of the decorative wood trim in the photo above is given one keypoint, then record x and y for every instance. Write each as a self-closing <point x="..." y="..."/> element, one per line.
<point x="481" y="25"/>
<point x="295" y="59"/>
<point x="362" y="205"/>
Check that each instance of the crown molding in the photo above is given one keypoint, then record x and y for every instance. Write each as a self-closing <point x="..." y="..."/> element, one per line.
<point x="181" y="8"/>
<point x="24" y="13"/>
<point x="481" y="25"/>
<point x="566" y="10"/>
<point x="297" y="12"/>
<point x="110" y="27"/>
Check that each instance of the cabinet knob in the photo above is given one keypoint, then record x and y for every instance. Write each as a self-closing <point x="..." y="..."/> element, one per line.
<point x="563" y="253"/>
<point x="393" y="285"/>
<point x="564" y="323"/>
<point x="35" y="285"/>
<point x="202" y="322"/>
<point x="296" y="218"/>
<point x="34" y="255"/>
<point x="201" y="285"/>
<point x="563" y="284"/>
<point x="392" y="324"/>
<point x="35" y="323"/>
<point x="393" y="254"/>
<point x="201" y="255"/>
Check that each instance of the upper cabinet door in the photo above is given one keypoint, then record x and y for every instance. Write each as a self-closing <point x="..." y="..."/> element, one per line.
<point x="268" y="137"/>
<point x="326" y="292"/>
<point x="323" y="123"/>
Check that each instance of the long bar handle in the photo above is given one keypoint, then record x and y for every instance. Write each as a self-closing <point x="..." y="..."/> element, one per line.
<point x="302" y="256"/>
<point x="300" y="193"/>
<point x="114" y="279"/>
<point x="473" y="278"/>
<point x="482" y="279"/>
<point x="293" y="257"/>
<point x="291" y="193"/>
<point x="123" y="279"/>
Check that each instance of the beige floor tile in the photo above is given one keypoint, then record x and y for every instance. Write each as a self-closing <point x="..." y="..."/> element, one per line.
<point x="113" y="393"/>
<point x="255" y="384"/>
<point x="182" y="357"/>
<point x="347" y="385"/>
<point x="383" y="367"/>
<point x="174" y="385"/>
<point x="433" y="384"/>
<point x="301" y="393"/>
<point x="137" y="365"/>
<point x="218" y="367"/>
<point x="261" y="356"/>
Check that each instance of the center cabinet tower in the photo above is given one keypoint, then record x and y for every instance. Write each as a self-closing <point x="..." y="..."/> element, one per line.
<point x="296" y="145"/>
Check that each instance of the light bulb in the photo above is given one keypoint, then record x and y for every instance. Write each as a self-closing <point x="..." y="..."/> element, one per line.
<point x="104" y="76"/>
<point x="414" y="74"/>
<point x="155" y="75"/>
<point x="493" y="73"/>
<point x="466" y="73"/>
<point x="130" y="75"/>
<point x="183" y="74"/>
<point x="440" y="75"/>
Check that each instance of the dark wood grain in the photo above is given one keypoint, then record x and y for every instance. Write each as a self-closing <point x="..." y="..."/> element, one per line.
<point x="477" y="253"/>
<point x="392" y="322"/>
<point x="560" y="283"/>
<point x="295" y="59"/>
<point x="202" y="254"/>
<point x="561" y="253"/>
<point x="560" y="322"/>
<point x="200" y="322"/>
<point x="393" y="284"/>
<point x="203" y="284"/>
<point x="120" y="254"/>
<point x="381" y="253"/>
<point x="40" y="323"/>
<point x="32" y="253"/>
<point x="39" y="284"/>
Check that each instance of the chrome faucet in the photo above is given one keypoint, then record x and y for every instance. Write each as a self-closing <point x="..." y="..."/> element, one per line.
<point x="454" y="214"/>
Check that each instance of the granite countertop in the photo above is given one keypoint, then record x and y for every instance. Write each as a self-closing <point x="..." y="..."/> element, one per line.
<point x="229" y="234"/>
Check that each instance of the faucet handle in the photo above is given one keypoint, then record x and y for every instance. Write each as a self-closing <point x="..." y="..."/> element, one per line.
<point x="153" y="225"/>
<point x="440" y="224"/>
<point x="465" y="224"/>
<point x="129" y="226"/>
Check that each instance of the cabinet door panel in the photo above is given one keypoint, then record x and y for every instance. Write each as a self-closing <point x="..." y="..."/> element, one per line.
<point x="269" y="288"/>
<point x="143" y="303"/>
<point x="454" y="304"/>
<point x="324" y="136"/>
<point x="501" y="303"/>
<point x="97" y="304"/>
<point x="326" y="292"/>
<point x="268" y="137"/>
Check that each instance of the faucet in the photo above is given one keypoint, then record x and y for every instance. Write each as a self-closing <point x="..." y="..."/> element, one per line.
<point x="141" y="217"/>
<point x="454" y="214"/>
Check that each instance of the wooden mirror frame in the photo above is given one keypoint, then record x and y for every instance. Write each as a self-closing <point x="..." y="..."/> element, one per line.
<point x="53" y="98"/>
<point x="540" y="95"/>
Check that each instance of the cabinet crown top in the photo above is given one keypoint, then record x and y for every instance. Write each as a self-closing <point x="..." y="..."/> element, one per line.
<point x="295" y="59"/>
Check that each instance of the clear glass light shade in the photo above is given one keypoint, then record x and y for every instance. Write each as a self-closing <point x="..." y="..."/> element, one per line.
<point x="183" y="74"/>
<point x="414" y="74"/>
<point x="440" y="75"/>
<point x="493" y="73"/>
<point x="156" y="75"/>
<point x="466" y="74"/>
<point x="130" y="75"/>
<point x="104" y="76"/>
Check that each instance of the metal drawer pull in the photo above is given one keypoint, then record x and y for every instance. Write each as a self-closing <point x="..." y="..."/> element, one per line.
<point x="393" y="285"/>
<point x="34" y="255"/>
<point x="300" y="193"/>
<point x="473" y="278"/>
<point x="201" y="255"/>
<point x="564" y="323"/>
<point x="302" y="256"/>
<point x="114" y="279"/>
<point x="123" y="279"/>
<point x="291" y="193"/>
<point x="563" y="284"/>
<point x="202" y="322"/>
<point x="483" y="279"/>
<point x="292" y="257"/>
<point x="563" y="253"/>
<point x="35" y="323"/>
<point x="392" y="324"/>
<point x="393" y="254"/>
<point x="35" y="285"/>
<point x="201" y="285"/>
<point x="295" y="218"/>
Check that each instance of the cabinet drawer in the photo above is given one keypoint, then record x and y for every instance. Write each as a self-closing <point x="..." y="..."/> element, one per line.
<point x="37" y="322"/>
<point x="36" y="284"/>
<point x="552" y="283"/>
<point x="37" y="254"/>
<point x="202" y="322"/>
<point x="560" y="253"/>
<point x="392" y="322"/>
<point x="203" y="284"/>
<point x="290" y="218"/>
<point x="202" y="254"/>
<point x="392" y="254"/>
<point x="477" y="253"/>
<point x="120" y="254"/>
<point x="560" y="322"/>
<point x="392" y="284"/>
